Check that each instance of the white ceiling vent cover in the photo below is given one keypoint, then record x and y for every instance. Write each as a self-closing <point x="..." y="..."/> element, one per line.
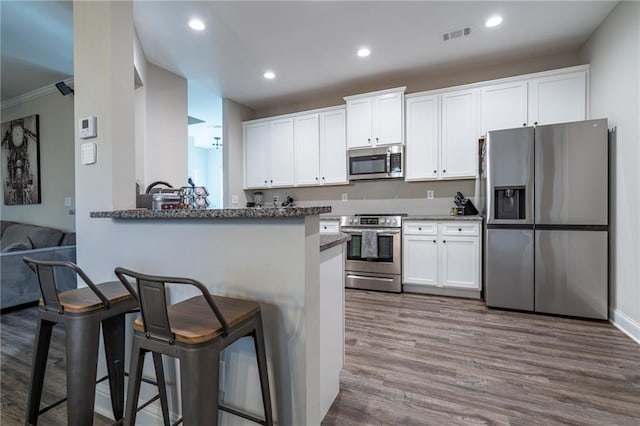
<point x="459" y="33"/>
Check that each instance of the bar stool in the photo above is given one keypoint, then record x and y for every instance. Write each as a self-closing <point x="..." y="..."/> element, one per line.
<point x="195" y="331"/>
<point x="81" y="311"/>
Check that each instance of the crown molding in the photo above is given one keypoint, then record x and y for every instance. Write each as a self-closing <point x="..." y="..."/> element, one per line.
<point x="33" y="94"/>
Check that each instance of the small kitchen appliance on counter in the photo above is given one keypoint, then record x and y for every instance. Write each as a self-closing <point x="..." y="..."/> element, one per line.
<point x="374" y="253"/>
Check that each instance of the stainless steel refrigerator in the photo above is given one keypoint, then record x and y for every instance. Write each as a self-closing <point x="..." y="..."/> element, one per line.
<point x="546" y="238"/>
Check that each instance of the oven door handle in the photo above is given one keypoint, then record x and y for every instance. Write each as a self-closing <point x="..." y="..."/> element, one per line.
<point x="380" y="232"/>
<point x="359" y="277"/>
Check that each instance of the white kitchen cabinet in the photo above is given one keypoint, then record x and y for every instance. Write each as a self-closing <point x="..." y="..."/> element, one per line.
<point x="329" y="226"/>
<point x="281" y="157"/>
<point x="306" y="131"/>
<point x="558" y="98"/>
<point x="442" y="134"/>
<point x="256" y="144"/>
<point x="459" y="262"/>
<point x="420" y="259"/>
<point x="268" y="150"/>
<point x="503" y="106"/>
<point x="423" y="137"/>
<point x="442" y="255"/>
<point x="320" y="148"/>
<point x="459" y="152"/>
<point x="375" y="118"/>
<point x="333" y="147"/>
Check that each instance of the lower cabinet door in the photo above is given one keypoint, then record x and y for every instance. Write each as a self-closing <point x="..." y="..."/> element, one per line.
<point x="459" y="265"/>
<point x="420" y="260"/>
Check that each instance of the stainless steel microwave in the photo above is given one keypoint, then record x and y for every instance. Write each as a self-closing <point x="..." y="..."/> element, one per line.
<point x="376" y="163"/>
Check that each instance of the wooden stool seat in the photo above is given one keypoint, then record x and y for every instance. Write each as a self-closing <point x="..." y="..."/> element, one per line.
<point x="85" y="300"/>
<point x="193" y="322"/>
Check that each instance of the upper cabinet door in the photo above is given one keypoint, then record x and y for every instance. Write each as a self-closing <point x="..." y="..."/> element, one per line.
<point x="558" y="98"/>
<point x="281" y="153"/>
<point x="359" y="123"/>
<point x="387" y="119"/>
<point x="504" y="106"/>
<point x="307" y="149"/>
<point x="255" y="152"/>
<point x="459" y="134"/>
<point x="333" y="147"/>
<point x="423" y="137"/>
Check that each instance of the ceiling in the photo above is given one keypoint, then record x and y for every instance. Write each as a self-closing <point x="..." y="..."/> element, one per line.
<point x="311" y="46"/>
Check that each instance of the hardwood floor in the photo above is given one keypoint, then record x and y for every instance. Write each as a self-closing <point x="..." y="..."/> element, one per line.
<point x="423" y="360"/>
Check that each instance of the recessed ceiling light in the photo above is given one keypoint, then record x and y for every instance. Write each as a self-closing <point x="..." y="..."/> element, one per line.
<point x="494" y="21"/>
<point x="363" y="52"/>
<point x="196" y="24"/>
<point x="269" y="75"/>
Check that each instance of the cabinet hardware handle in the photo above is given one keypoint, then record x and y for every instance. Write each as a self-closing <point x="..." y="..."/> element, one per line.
<point x="419" y="229"/>
<point x="535" y="122"/>
<point x="444" y="241"/>
<point x="376" y="139"/>
<point x="459" y="229"/>
<point x="434" y="241"/>
<point x="444" y="171"/>
<point x="435" y="171"/>
<point x="316" y="178"/>
<point x="524" y="124"/>
<point x="368" y="139"/>
<point x="322" y="177"/>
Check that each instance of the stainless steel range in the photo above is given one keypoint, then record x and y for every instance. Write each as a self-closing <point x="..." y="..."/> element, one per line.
<point x="374" y="254"/>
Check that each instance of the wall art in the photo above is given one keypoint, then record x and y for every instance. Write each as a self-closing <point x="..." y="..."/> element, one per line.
<point x="21" y="160"/>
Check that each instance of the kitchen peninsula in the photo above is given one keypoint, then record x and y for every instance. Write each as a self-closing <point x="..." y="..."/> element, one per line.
<point x="274" y="256"/>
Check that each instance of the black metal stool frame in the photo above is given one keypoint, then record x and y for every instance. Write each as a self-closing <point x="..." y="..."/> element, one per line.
<point x="199" y="362"/>
<point x="82" y="333"/>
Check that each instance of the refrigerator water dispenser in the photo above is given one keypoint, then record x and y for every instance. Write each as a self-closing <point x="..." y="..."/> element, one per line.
<point x="510" y="202"/>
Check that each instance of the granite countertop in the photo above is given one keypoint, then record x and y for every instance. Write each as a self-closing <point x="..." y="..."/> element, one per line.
<point x="331" y="240"/>
<point x="444" y="218"/>
<point x="242" y="213"/>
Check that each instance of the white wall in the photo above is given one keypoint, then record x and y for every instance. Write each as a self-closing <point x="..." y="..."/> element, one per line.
<point x="56" y="161"/>
<point x="233" y="114"/>
<point x="165" y="150"/>
<point x="614" y="53"/>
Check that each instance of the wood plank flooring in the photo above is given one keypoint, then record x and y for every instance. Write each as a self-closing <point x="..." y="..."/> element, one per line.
<point x="424" y="360"/>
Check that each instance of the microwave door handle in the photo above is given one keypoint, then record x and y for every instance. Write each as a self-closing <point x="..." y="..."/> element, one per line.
<point x="388" y="161"/>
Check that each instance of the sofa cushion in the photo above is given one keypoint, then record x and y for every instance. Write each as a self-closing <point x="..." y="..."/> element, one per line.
<point x="24" y="244"/>
<point x="4" y="224"/>
<point x="40" y="236"/>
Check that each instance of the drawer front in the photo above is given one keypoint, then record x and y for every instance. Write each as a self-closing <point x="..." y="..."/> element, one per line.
<point x="329" y="227"/>
<point x="460" y="228"/>
<point x="420" y="228"/>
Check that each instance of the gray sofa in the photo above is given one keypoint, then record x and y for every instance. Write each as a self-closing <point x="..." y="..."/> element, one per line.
<point x="18" y="284"/>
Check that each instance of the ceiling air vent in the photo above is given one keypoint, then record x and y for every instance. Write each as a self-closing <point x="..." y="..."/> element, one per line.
<point x="461" y="32"/>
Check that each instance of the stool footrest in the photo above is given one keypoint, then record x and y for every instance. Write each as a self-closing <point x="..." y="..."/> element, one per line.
<point x="55" y="404"/>
<point x="241" y="414"/>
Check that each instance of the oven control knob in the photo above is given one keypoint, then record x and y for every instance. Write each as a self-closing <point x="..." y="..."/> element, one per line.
<point x="383" y="220"/>
<point x="392" y="221"/>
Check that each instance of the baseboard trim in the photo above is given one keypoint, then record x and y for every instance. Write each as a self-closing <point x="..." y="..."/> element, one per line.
<point x="441" y="291"/>
<point x="627" y="325"/>
<point x="147" y="416"/>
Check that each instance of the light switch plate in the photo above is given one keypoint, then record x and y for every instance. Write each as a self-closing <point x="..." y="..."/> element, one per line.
<point x="88" y="153"/>
<point x="430" y="194"/>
